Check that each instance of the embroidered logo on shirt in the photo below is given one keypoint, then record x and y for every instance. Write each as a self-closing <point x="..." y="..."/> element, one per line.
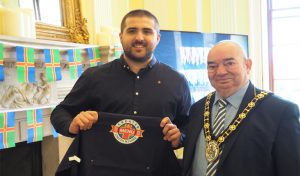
<point x="127" y="131"/>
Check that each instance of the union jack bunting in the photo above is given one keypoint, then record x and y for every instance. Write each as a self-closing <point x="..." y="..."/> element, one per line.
<point x="34" y="125"/>
<point x="75" y="64"/>
<point x="94" y="56"/>
<point x="7" y="130"/>
<point x="25" y="64"/>
<point x="52" y="62"/>
<point x="1" y="62"/>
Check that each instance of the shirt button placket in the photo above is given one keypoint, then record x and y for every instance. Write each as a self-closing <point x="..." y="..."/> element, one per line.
<point x="136" y="94"/>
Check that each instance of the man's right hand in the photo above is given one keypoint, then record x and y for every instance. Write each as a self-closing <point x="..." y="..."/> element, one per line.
<point x="83" y="121"/>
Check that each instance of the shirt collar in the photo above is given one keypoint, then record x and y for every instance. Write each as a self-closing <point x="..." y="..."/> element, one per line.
<point x="235" y="99"/>
<point x="150" y="65"/>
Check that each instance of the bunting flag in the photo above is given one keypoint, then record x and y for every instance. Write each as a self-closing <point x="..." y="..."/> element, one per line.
<point x="52" y="62"/>
<point x="94" y="56"/>
<point x="1" y="62"/>
<point x="75" y="64"/>
<point x="34" y="125"/>
<point x="118" y="51"/>
<point x="25" y="64"/>
<point x="54" y="133"/>
<point x="7" y="130"/>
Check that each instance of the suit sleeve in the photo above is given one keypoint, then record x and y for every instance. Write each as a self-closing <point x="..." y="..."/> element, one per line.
<point x="287" y="144"/>
<point x="76" y="101"/>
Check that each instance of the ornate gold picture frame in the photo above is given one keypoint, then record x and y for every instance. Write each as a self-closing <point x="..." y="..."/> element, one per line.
<point x="74" y="27"/>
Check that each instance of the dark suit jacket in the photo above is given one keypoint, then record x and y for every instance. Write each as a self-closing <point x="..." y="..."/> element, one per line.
<point x="267" y="143"/>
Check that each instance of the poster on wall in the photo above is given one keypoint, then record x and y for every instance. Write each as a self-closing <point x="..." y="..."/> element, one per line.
<point x="187" y="53"/>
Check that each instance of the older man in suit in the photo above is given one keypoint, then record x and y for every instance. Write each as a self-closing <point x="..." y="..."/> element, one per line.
<point x="239" y="130"/>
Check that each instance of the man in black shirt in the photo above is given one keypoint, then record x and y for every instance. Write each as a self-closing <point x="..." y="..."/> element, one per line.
<point x="135" y="84"/>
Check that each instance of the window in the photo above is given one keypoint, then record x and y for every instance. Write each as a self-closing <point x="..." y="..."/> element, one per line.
<point x="284" y="48"/>
<point x="45" y="11"/>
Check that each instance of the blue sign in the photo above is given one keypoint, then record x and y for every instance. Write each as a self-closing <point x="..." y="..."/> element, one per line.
<point x="187" y="53"/>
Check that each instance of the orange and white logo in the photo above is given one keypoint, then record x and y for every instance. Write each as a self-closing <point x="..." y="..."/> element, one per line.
<point x="127" y="131"/>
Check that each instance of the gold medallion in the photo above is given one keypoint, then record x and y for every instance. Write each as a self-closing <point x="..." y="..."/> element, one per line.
<point x="212" y="150"/>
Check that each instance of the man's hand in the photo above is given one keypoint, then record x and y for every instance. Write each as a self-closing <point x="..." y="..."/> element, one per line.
<point x="83" y="121"/>
<point x="170" y="131"/>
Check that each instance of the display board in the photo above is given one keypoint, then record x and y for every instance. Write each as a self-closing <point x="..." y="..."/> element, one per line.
<point x="187" y="53"/>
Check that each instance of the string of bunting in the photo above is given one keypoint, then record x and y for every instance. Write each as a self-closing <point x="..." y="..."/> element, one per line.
<point x="26" y="67"/>
<point x="27" y="56"/>
<point x="35" y="128"/>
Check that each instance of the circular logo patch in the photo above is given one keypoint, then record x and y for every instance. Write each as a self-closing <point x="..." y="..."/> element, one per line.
<point x="127" y="131"/>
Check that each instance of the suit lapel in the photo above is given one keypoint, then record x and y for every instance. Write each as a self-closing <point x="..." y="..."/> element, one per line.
<point x="232" y="138"/>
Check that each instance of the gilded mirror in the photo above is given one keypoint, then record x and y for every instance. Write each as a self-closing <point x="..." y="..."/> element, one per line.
<point x="74" y="27"/>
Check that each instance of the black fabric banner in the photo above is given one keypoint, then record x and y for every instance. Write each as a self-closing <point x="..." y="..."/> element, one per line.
<point x="121" y="145"/>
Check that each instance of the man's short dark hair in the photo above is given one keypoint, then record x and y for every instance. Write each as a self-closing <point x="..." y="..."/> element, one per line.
<point x="140" y="13"/>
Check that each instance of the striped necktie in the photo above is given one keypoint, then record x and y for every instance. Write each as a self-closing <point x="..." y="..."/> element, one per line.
<point x="217" y="129"/>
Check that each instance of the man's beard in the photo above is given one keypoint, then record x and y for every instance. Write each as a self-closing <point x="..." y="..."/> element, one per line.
<point x="128" y="53"/>
<point x="133" y="58"/>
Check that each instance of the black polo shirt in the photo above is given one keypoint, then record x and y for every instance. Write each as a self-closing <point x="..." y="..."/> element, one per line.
<point x="157" y="90"/>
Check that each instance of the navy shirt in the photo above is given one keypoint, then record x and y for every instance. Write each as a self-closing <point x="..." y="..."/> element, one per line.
<point x="157" y="90"/>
